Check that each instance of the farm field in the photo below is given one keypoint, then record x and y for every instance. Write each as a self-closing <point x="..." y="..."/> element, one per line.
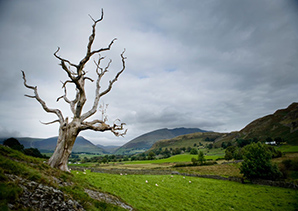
<point x="163" y="192"/>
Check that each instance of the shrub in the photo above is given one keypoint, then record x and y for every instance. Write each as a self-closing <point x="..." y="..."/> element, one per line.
<point x="201" y="158"/>
<point x="14" y="144"/>
<point x="193" y="151"/>
<point x="257" y="163"/>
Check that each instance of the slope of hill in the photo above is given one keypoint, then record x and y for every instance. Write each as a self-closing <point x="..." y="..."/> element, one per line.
<point x="187" y="140"/>
<point x="108" y="149"/>
<point x="282" y="124"/>
<point x="28" y="183"/>
<point x="145" y="141"/>
<point x="49" y="144"/>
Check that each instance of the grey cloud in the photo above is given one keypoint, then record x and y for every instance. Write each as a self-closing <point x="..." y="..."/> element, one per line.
<point x="216" y="65"/>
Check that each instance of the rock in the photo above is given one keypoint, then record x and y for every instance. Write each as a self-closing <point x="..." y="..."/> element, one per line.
<point x="42" y="197"/>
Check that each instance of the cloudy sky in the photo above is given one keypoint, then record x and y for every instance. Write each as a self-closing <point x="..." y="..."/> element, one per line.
<point x="216" y="65"/>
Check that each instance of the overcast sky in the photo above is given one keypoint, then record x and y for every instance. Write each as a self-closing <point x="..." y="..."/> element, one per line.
<point x="214" y="65"/>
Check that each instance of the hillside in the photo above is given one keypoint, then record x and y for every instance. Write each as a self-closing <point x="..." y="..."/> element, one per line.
<point x="28" y="183"/>
<point x="282" y="124"/>
<point x="188" y="140"/>
<point x="49" y="144"/>
<point x="145" y="141"/>
<point x="108" y="149"/>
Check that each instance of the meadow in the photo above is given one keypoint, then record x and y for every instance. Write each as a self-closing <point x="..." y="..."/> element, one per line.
<point x="166" y="192"/>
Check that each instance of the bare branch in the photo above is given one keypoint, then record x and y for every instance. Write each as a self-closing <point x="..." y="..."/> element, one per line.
<point x="98" y="125"/>
<point x="63" y="60"/>
<point x="48" y="123"/>
<point x="90" y="79"/>
<point x="93" y="110"/>
<point x="116" y="77"/>
<point x="43" y="104"/>
<point x="89" y="52"/>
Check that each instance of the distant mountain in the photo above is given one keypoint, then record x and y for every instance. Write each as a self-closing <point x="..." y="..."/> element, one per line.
<point x="49" y="144"/>
<point x="187" y="140"/>
<point x="110" y="149"/>
<point x="145" y="141"/>
<point x="282" y="124"/>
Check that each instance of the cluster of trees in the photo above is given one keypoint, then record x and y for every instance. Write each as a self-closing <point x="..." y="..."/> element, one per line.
<point x="256" y="158"/>
<point x="15" y="144"/>
<point x="74" y="158"/>
<point x="236" y="152"/>
<point x="257" y="162"/>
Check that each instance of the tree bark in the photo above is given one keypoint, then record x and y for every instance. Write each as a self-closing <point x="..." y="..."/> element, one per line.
<point x="68" y="133"/>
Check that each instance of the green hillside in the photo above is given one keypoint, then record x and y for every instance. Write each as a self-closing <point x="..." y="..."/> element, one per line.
<point x="283" y="124"/>
<point x="188" y="140"/>
<point x="28" y="183"/>
<point x="145" y="141"/>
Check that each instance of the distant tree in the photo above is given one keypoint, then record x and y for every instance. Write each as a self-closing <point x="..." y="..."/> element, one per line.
<point x="242" y="142"/>
<point x="228" y="155"/>
<point x="238" y="154"/>
<point x="257" y="163"/>
<point x="176" y="151"/>
<point x="151" y="155"/>
<point x="274" y="152"/>
<point x="14" y="144"/>
<point x="229" y="152"/>
<point x="34" y="152"/>
<point x="194" y="161"/>
<point x="224" y="145"/>
<point x="188" y="149"/>
<point x="201" y="158"/>
<point x="193" y="151"/>
<point x="105" y="160"/>
<point x="278" y="140"/>
<point x="166" y="153"/>
<point x="209" y="146"/>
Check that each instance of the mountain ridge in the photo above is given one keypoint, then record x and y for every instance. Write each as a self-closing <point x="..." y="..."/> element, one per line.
<point x="49" y="144"/>
<point x="145" y="141"/>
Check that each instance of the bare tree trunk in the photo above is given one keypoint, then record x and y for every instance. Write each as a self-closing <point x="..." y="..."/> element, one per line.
<point x="67" y="136"/>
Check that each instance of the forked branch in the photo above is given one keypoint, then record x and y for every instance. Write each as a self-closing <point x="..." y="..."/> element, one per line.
<point x="43" y="104"/>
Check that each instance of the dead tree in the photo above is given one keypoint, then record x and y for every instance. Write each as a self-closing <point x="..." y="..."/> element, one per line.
<point x="70" y="127"/>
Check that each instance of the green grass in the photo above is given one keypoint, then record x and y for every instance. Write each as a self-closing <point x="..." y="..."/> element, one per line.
<point x="288" y="148"/>
<point x="175" y="159"/>
<point x="176" y="193"/>
<point x="34" y="169"/>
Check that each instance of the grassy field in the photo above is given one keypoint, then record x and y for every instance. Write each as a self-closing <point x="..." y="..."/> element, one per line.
<point x="163" y="192"/>
<point x="176" y="159"/>
<point x="288" y="148"/>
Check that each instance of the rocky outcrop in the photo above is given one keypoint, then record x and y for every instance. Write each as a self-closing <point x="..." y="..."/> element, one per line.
<point x="42" y="197"/>
<point x="108" y="198"/>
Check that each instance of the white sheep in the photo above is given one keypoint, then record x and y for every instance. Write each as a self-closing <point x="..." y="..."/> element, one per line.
<point x="156" y="185"/>
<point x="146" y="181"/>
<point x="189" y="182"/>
